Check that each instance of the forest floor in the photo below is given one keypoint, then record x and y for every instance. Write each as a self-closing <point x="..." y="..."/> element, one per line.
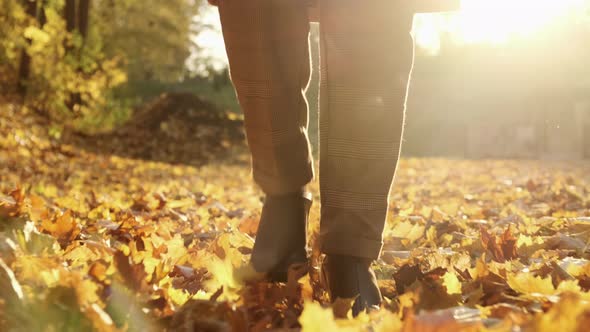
<point x="117" y="236"/>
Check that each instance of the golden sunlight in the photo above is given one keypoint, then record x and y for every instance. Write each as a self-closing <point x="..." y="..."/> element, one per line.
<point x="494" y="21"/>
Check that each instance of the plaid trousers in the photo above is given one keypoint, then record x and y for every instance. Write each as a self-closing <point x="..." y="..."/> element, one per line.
<point x="366" y="59"/>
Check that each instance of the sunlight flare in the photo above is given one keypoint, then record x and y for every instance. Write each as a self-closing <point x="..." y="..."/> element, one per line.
<point x="494" y="22"/>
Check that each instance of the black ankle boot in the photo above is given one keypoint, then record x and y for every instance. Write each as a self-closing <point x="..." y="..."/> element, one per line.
<point x="281" y="238"/>
<point x="350" y="277"/>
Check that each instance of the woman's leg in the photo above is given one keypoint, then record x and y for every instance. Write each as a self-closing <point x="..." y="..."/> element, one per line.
<point x="367" y="56"/>
<point x="268" y="50"/>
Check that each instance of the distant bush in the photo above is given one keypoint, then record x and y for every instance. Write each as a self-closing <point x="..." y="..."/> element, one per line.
<point x="89" y="75"/>
<point x="12" y="23"/>
<point x="58" y="76"/>
<point x="70" y="79"/>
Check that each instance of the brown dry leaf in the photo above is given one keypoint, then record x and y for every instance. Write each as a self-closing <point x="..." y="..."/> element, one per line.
<point x="98" y="270"/>
<point x="406" y="276"/>
<point x="249" y="225"/>
<point x="500" y="249"/>
<point x="133" y="275"/>
<point x="341" y="307"/>
<point x="200" y="315"/>
<point x="508" y="244"/>
<point x="432" y="295"/>
<point x="64" y="227"/>
<point x="489" y="243"/>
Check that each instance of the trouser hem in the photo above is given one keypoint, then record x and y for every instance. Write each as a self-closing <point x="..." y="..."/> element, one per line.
<point x="350" y="245"/>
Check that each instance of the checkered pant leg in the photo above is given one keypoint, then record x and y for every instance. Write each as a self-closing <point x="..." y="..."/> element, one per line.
<point x="267" y="43"/>
<point x="366" y="60"/>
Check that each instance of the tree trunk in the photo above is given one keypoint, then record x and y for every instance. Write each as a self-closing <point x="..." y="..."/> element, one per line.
<point x="24" y="69"/>
<point x="83" y="14"/>
<point x="70" y="11"/>
<point x="42" y="15"/>
<point x="83" y="18"/>
<point x="70" y="15"/>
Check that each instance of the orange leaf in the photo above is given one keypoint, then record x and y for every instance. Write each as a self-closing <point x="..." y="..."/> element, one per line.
<point x="64" y="228"/>
<point x="501" y="249"/>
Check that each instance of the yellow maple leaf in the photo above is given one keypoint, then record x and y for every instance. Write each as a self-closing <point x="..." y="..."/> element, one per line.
<point x="426" y="211"/>
<point x="527" y="283"/>
<point x="315" y="318"/>
<point x="407" y="230"/>
<point x="563" y="316"/>
<point x="524" y="240"/>
<point x="481" y="268"/>
<point x="178" y="296"/>
<point x="569" y="286"/>
<point x="224" y="274"/>
<point x="452" y="283"/>
<point x="176" y="248"/>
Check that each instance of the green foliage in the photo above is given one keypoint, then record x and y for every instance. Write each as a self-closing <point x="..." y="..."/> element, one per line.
<point x="70" y="78"/>
<point x="153" y="36"/>
<point x="83" y="82"/>
<point x="12" y="22"/>
<point x="58" y="74"/>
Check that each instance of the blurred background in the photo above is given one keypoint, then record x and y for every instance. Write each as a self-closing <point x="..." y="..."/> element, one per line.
<point x="499" y="79"/>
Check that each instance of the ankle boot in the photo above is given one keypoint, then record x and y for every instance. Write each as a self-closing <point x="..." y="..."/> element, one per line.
<point x="281" y="240"/>
<point x="350" y="277"/>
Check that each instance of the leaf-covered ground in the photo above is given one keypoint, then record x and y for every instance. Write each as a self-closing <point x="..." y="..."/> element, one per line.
<point x="105" y="242"/>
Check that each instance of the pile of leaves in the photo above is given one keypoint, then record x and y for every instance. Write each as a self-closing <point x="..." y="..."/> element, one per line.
<point x="178" y="128"/>
<point x="110" y="243"/>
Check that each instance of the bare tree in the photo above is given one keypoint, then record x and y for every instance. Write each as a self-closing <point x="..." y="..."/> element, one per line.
<point x="24" y="70"/>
